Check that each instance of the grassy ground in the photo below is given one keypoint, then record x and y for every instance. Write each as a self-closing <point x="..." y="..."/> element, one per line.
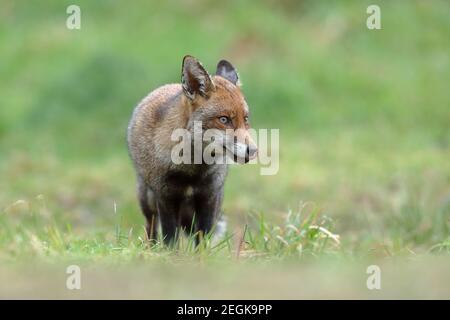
<point x="364" y="124"/>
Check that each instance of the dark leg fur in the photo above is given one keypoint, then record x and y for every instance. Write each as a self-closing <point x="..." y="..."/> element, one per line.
<point x="148" y="207"/>
<point x="168" y="214"/>
<point x="207" y="212"/>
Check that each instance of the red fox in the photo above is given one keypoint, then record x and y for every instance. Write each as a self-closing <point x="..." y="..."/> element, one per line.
<point x="187" y="196"/>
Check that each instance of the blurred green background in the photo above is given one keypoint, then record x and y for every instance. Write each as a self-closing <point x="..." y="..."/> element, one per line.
<point x="364" y="115"/>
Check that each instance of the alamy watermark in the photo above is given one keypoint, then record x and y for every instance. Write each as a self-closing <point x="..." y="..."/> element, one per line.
<point x="73" y="281"/>
<point x="373" y="21"/>
<point x="374" y="279"/>
<point x="214" y="146"/>
<point x="73" y="21"/>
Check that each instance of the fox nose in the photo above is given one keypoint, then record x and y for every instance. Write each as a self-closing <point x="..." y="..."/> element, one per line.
<point x="251" y="151"/>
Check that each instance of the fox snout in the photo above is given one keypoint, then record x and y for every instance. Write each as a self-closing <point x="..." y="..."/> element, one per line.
<point x="252" y="152"/>
<point x="245" y="152"/>
<point x="243" y="148"/>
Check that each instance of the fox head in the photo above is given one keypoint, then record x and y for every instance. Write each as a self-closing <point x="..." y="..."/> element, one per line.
<point x="219" y="105"/>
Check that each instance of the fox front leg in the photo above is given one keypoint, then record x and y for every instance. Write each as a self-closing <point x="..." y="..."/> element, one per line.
<point x="148" y="207"/>
<point x="168" y="212"/>
<point x="207" y="208"/>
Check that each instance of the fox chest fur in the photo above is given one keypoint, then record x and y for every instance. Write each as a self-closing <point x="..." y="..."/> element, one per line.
<point x="187" y="196"/>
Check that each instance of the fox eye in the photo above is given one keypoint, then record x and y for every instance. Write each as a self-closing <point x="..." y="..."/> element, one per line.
<point x="246" y="119"/>
<point x="224" y="120"/>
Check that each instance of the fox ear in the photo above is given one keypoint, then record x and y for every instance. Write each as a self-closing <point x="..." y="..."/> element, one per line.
<point x="227" y="71"/>
<point x="195" y="79"/>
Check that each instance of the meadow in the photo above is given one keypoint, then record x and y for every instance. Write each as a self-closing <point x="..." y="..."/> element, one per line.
<point x="364" y="172"/>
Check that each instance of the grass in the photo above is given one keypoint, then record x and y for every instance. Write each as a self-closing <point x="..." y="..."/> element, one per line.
<point x="364" y="176"/>
<point x="33" y="235"/>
